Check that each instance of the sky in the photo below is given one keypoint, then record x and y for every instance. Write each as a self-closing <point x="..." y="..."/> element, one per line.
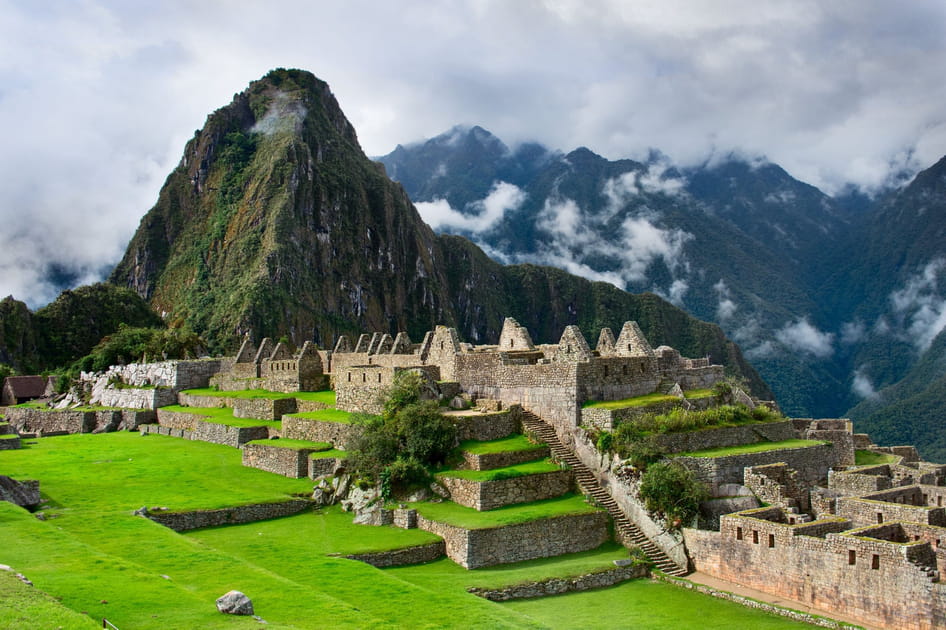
<point x="97" y="98"/>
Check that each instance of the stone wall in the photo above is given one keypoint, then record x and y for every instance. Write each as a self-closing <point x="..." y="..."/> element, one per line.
<point x="777" y="484"/>
<point x="359" y="388"/>
<point x="198" y="428"/>
<point x="263" y="408"/>
<point x="337" y="434"/>
<point x="10" y="442"/>
<point x="322" y="466"/>
<point x="560" y="586"/>
<point x="203" y="402"/>
<point x="812" y="464"/>
<point x="723" y="437"/>
<point x="543" y="538"/>
<point x="489" y="495"/>
<point x="40" y="421"/>
<point x="399" y="557"/>
<point x="197" y="519"/>
<point x="609" y="471"/>
<point x="484" y="427"/>
<point x="874" y="581"/>
<point x="136" y="397"/>
<point x="288" y="462"/>
<point x="176" y="375"/>
<point x="900" y="504"/>
<point x="489" y="461"/>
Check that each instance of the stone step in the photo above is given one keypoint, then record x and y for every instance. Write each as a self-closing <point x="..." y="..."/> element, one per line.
<point x="588" y="484"/>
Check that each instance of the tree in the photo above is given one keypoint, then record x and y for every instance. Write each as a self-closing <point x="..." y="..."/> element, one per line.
<point x="670" y="489"/>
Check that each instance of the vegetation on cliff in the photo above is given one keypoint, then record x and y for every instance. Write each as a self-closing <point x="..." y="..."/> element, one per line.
<point x="276" y="223"/>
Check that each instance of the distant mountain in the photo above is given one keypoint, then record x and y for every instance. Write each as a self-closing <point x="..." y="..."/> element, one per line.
<point x="830" y="298"/>
<point x="68" y="327"/>
<point x="276" y="223"/>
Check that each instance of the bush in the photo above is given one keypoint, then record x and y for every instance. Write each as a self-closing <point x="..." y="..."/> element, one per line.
<point x="642" y="452"/>
<point x="605" y="441"/>
<point x="673" y="491"/>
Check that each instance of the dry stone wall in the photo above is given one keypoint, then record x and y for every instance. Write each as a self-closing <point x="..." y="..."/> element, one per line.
<point x="489" y="495"/>
<point x="812" y="463"/>
<point x="288" y="462"/>
<point x="543" y="538"/>
<point x="339" y="435"/>
<point x="263" y="408"/>
<point x="726" y="436"/>
<point x="874" y="581"/>
<point x="39" y="421"/>
<point x="560" y="586"/>
<point x="196" y="427"/>
<point x="197" y="519"/>
<point x="484" y="427"/>
<point x="136" y="398"/>
<point x="399" y="557"/>
<point x="489" y="461"/>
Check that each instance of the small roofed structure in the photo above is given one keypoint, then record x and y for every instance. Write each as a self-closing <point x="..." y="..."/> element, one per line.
<point x="20" y="389"/>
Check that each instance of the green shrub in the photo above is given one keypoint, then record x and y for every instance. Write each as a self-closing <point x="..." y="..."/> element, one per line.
<point x="642" y="453"/>
<point x="605" y="441"/>
<point x="673" y="491"/>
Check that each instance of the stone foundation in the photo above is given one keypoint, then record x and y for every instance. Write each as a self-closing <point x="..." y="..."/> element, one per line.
<point x="262" y="408"/>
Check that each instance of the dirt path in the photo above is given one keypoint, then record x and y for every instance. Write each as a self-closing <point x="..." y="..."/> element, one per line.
<point x="732" y="587"/>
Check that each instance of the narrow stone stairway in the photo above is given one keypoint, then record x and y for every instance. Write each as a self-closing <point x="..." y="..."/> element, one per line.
<point x="628" y="532"/>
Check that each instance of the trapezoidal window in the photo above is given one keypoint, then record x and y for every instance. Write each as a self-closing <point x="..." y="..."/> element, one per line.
<point x="349" y="377"/>
<point x="771" y="540"/>
<point x="624" y="370"/>
<point x="851" y="556"/>
<point x="880" y="517"/>
<point x="379" y="377"/>
<point x="875" y="561"/>
<point x="738" y="533"/>
<point x="364" y="377"/>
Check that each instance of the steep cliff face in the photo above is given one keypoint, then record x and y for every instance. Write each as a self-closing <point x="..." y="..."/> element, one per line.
<point x="276" y="223"/>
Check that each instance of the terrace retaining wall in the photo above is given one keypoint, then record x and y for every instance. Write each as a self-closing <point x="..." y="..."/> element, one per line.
<point x="489" y="495"/>
<point x="196" y="519"/>
<point x="542" y="538"/>
<point x="285" y="461"/>
<point x="338" y="434"/>
<point x="812" y="464"/>
<point x="559" y="586"/>
<point x="488" y="426"/>
<point x="197" y="427"/>
<point x="398" y="557"/>
<point x="489" y="461"/>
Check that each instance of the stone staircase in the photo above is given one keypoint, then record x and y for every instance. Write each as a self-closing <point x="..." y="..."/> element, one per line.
<point x="627" y="531"/>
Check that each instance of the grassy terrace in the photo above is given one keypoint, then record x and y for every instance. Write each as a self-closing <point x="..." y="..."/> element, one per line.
<point x="647" y="400"/>
<point x="43" y="407"/>
<point x="334" y="452"/>
<point x="325" y="396"/>
<point x="513" y="443"/>
<point x="222" y="415"/>
<point x="508" y="472"/>
<point x="9" y="436"/>
<point x="453" y="514"/>
<point x="870" y="458"/>
<point x="92" y="550"/>
<point x="294" y="444"/>
<point x="325" y="415"/>
<point x="758" y="447"/>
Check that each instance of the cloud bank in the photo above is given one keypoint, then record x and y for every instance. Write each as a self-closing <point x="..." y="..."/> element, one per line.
<point x="97" y="98"/>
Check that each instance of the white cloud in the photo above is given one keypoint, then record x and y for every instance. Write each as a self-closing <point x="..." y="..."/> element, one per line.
<point x="99" y="97"/>
<point x="726" y="308"/>
<point x="853" y="332"/>
<point x="481" y="215"/>
<point x="920" y="305"/>
<point x="862" y="385"/>
<point x="654" y="180"/>
<point x="802" y="336"/>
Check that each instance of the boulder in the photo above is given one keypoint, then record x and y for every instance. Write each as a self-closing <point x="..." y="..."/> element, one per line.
<point x="235" y="603"/>
<point x="22" y="493"/>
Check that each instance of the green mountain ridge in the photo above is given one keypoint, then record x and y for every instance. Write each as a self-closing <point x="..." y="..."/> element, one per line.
<point x="275" y="223"/>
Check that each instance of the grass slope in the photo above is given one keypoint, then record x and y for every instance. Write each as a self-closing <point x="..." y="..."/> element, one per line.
<point x="325" y="396"/>
<point x="758" y="447"/>
<point x="512" y="443"/>
<point x="507" y="472"/>
<point x="97" y="557"/>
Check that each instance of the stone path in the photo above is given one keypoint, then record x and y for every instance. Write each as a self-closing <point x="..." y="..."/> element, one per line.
<point x="782" y="602"/>
<point x="628" y="532"/>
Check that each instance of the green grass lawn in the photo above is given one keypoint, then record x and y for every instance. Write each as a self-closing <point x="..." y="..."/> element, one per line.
<point x="95" y="556"/>
<point x="758" y="447"/>
<point x="870" y="458"/>
<point x="453" y="514"/>
<point x="647" y="400"/>
<point x="294" y="444"/>
<point x="222" y="415"/>
<point x="509" y="444"/>
<point x="338" y="454"/>
<point x="508" y="472"/>
<point x="9" y="436"/>
<point x="23" y="605"/>
<point x="325" y="415"/>
<point x="646" y="605"/>
<point x="325" y="396"/>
